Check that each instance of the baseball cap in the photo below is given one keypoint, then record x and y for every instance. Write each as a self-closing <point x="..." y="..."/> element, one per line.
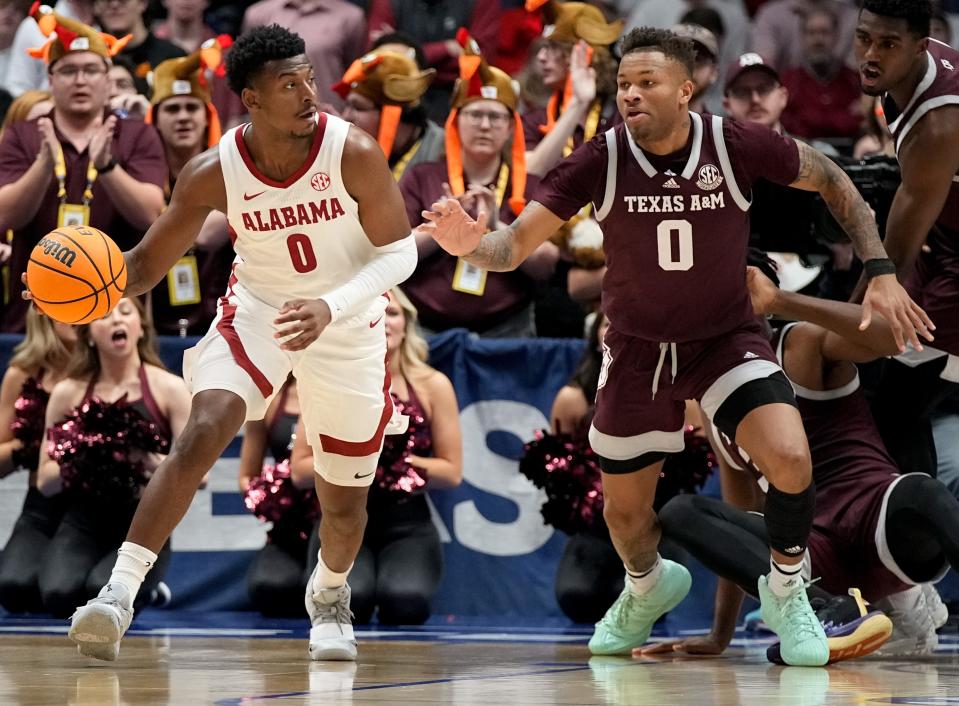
<point x="749" y="61"/>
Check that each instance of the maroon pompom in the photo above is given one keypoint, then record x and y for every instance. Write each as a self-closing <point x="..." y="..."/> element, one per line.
<point x="569" y="472"/>
<point x="395" y="474"/>
<point x="29" y="423"/>
<point x="272" y="497"/>
<point x="101" y="448"/>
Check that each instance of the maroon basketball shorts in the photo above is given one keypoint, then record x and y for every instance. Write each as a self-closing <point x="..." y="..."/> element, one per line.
<point x="644" y="385"/>
<point x="848" y="547"/>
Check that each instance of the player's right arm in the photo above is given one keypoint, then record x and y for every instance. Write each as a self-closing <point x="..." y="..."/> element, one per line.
<point x="199" y="190"/>
<point x="563" y="192"/>
<point x="501" y="250"/>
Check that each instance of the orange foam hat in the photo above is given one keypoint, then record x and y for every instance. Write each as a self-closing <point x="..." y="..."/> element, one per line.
<point x="480" y="81"/>
<point x="69" y="35"/>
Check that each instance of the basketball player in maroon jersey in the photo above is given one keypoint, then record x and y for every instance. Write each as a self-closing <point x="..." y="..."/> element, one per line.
<point x="874" y="527"/>
<point x="668" y="187"/>
<point x="919" y="79"/>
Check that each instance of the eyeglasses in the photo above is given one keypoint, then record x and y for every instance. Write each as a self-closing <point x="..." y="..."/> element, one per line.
<point x="476" y="117"/>
<point x="70" y="73"/>
<point x="745" y="93"/>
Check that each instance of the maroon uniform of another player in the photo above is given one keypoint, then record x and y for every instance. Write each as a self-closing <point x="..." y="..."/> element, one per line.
<point x="918" y="79"/>
<point x="854" y="476"/>
<point x="935" y="281"/>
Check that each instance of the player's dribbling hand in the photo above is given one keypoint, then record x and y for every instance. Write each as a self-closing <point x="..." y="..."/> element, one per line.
<point x="452" y="228"/>
<point x="306" y="318"/>
<point x="884" y="295"/>
<point x="762" y="291"/>
<point x="705" y="645"/>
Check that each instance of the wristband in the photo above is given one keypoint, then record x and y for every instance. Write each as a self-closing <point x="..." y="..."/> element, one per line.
<point x="879" y="266"/>
<point x="108" y="166"/>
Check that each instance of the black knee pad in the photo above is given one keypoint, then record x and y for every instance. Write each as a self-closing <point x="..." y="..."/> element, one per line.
<point x="744" y="399"/>
<point x="789" y="519"/>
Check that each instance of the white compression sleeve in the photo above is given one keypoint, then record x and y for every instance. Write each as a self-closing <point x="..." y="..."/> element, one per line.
<point x="391" y="265"/>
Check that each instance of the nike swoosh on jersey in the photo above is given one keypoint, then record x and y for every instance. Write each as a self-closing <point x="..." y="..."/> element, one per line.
<point x="247" y="197"/>
<point x="374" y="323"/>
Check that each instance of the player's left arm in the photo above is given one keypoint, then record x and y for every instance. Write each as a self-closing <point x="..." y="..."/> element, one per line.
<point x="929" y="159"/>
<point x="884" y="293"/>
<point x="382" y="212"/>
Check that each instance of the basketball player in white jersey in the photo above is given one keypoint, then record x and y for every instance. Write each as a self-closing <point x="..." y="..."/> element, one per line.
<point x="320" y="232"/>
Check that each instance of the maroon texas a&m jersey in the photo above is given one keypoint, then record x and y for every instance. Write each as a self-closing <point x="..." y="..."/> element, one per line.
<point x="675" y="227"/>
<point x="934" y="284"/>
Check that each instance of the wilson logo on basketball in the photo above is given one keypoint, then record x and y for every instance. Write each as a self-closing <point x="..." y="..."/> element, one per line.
<point x="320" y="181"/>
<point x="58" y="252"/>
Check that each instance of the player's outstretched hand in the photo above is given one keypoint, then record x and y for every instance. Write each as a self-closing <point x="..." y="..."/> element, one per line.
<point x="762" y="291"/>
<point x="703" y="645"/>
<point x="884" y="295"/>
<point x="452" y="228"/>
<point x="306" y="319"/>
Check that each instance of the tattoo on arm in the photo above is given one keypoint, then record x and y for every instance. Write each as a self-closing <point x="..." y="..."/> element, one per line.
<point x="845" y="203"/>
<point x="494" y="252"/>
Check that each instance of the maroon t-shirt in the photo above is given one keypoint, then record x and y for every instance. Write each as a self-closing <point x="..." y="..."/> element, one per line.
<point x="137" y="149"/>
<point x="934" y="283"/>
<point x="430" y="287"/>
<point x="675" y="227"/>
<point x="822" y="109"/>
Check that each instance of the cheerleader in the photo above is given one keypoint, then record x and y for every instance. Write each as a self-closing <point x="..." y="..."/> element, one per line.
<point x="39" y="362"/>
<point x="400" y="564"/>
<point x="108" y="425"/>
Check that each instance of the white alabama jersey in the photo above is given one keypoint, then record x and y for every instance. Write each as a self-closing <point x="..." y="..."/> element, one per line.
<point x="300" y="238"/>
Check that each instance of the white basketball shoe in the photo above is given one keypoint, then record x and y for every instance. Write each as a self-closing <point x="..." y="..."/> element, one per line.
<point x="331" y="634"/>
<point x="98" y="626"/>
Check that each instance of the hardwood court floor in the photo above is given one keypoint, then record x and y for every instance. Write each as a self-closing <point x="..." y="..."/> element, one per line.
<point x="482" y="669"/>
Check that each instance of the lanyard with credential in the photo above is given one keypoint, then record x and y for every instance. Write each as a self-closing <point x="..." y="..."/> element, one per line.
<point x="71" y="213"/>
<point x="470" y="279"/>
<point x="404" y="161"/>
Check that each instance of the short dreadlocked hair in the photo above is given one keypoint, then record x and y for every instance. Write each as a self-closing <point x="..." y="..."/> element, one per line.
<point x="916" y="13"/>
<point x="255" y="48"/>
<point x="652" y="39"/>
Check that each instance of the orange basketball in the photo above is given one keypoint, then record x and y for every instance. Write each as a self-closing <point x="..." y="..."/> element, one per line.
<point x="76" y="274"/>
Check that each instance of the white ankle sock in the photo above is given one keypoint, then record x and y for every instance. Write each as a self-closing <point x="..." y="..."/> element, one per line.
<point x="325" y="577"/>
<point x="133" y="563"/>
<point x="784" y="578"/>
<point x="640" y="583"/>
